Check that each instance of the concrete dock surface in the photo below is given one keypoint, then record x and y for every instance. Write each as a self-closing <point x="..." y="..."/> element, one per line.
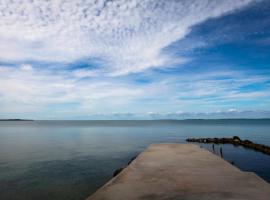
<point x="182" y="172"/>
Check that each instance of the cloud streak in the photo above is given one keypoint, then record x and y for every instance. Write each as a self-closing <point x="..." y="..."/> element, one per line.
<point x="126" y="36"/>
<point x="49" y="94"/>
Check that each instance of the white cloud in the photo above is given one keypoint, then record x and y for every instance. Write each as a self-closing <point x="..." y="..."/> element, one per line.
<point x="243" y="114"/>
<point x="26" y="67"/>
<point x="26" y="89"/>
<point x="127" y="36"/>
<point x="232" y="110"/>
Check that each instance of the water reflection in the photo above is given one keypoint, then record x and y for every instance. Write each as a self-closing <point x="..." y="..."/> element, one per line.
<point x="69" y="160"/>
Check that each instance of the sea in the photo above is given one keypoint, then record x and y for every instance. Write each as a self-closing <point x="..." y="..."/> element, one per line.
<point x="70" y="160"/>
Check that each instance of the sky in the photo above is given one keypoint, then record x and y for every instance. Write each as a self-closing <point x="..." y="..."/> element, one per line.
<point x="134" y="59"/>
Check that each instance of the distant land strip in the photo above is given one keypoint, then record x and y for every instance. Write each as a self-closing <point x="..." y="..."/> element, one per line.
<point x="16" y="120"/>
<point x="235" y="141"/>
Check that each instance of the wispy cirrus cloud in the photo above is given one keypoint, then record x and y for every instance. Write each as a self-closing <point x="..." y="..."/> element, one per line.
<point x="48" y="95"/>
<point x="126" y="36"/>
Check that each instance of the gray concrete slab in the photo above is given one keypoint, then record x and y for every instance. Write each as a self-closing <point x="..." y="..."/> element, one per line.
<point x="184" y="172"/>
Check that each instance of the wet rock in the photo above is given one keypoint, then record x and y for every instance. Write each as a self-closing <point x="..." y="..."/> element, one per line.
<point x="132" y="160"/>
<point x="236" y="139"/>
<point x="247" y="142"/>
<point x="116" y="172"/>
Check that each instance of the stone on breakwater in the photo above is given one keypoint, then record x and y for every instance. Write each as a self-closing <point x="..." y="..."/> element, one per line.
<point x="117" y="171"/>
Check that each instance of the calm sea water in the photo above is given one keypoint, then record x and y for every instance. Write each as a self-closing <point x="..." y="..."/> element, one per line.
<point x="61" y="160"/>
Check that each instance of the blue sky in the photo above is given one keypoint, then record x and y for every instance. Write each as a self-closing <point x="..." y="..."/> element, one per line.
<point x="147" y="59"/>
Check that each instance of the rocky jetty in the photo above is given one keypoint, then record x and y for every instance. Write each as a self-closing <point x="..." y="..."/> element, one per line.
<point x="235" y="141"/>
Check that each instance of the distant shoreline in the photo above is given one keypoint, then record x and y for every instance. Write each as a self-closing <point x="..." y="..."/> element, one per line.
<point x="221" y="119"/>
<point x="16" y="120"/>
<point x="190" y="119"/>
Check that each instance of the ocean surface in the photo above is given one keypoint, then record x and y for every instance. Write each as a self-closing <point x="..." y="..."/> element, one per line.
<point x="69" y="160"/>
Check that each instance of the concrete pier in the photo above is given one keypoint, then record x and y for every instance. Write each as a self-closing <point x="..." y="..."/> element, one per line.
<point x="182" y="172"/>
